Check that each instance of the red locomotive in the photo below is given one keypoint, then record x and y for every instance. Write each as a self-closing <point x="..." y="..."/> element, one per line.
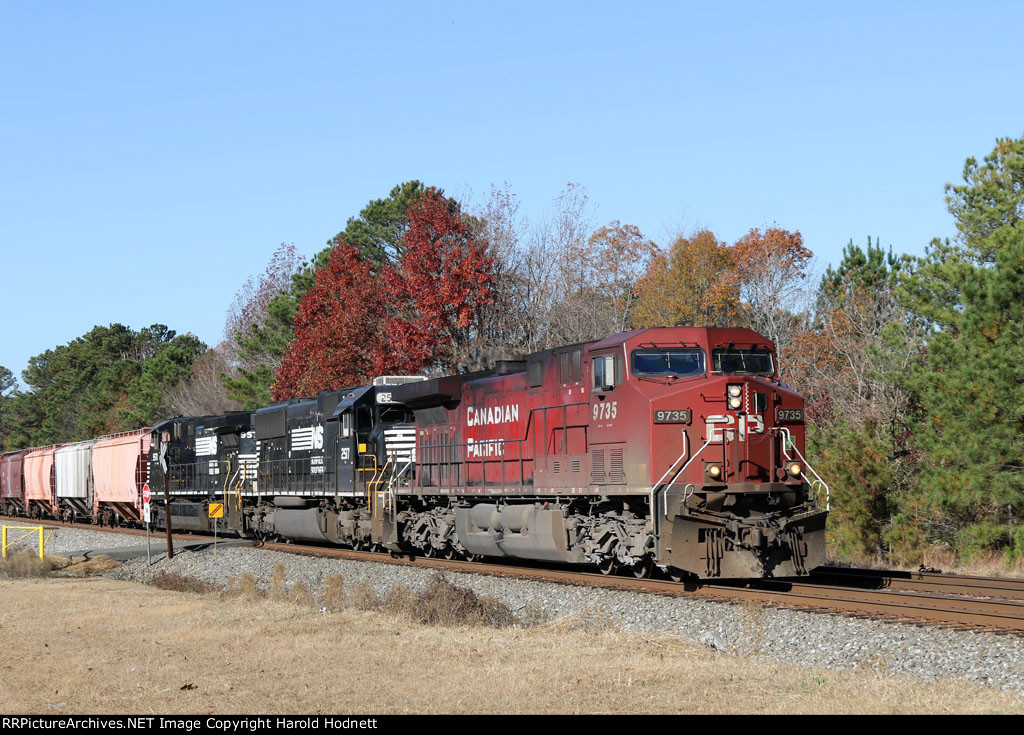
<point x="674" y="448"/>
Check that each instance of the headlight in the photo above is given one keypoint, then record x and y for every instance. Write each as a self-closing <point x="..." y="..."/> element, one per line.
<point x="714" y="471"/>
<point x="735" y="390"/>
<point x="794" y="469"/>
<point x="735" y="402"/>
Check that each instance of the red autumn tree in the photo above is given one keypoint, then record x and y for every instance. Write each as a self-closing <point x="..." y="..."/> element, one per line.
<point x="435" y="298"/>
<point x="336" y="328"/>
<point x="422" y="315"/>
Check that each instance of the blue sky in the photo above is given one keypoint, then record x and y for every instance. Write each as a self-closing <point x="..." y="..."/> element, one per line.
<point x="153" y="157"/>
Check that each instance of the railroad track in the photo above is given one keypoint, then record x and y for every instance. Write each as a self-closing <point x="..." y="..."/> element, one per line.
<point x="952" y="584"/>
<point x="922" y="597"/>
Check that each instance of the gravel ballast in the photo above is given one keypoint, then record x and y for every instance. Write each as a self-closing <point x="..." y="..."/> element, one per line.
<point x="790" y="636"/>
<point x="64" y="540"/>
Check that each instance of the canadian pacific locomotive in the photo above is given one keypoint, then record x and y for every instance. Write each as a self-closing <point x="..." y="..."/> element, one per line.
<point x="674" y="449"/>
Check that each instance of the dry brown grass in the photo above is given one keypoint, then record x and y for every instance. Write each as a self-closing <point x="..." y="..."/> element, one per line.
<point x="439" y="603"/>
<point x="301" y="595"/>
<point x="28" y="564"/>
<point x="945" y="560"/>
<point x="984" y="565"/>
<point x="333" y="597"/>
<point x="81" y="567"/>
<point x="180" y="583"/>
<point x="278" y="591"/>
<point x="106" y="646"/>
<point x="247" y="587"/>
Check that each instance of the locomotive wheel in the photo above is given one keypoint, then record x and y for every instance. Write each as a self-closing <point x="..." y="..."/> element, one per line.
<point x="431" y="552"/>
<point x="450" y="552"/>
<point x="608" y="566"/>
<point x="675" y="574"/>
<point x="643" y="568"/>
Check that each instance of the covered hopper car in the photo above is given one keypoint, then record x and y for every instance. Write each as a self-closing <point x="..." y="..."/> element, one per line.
<point x="74" y="481"/>
<point x="41" y="482"/>
<point x="12" y="482"/>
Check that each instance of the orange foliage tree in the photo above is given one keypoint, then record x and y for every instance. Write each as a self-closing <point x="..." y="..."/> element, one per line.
<point x="692" y="283"/>
<point x="770" y="271"/>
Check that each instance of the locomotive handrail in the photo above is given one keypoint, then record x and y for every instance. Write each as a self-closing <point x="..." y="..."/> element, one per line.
<point x="391" y="486"/>
<point x="828" y="499"/>
<point x="241" y="475"/>
<point x="224" y="489"/>
<point x="787" y="438"/>
<point x="819" y="481"/>
<point x="117" y="434"/>
<point x="669" y="484"/>
<point x="376" y="480"/>
<point x="686" y="450"/>
<point x="484" y="461"/>
<point x="655" y="506"/>
<point x="289" y="474"/>
<point x="688" y="490"/>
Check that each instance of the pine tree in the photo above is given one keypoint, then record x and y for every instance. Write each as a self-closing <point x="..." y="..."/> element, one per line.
<point x="970" y="388"/>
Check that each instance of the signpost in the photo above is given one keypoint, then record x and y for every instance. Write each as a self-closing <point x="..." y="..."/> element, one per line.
<point x="216" y="510"/>
<point x="167" y="499"/>
<point x="146" y="496"/>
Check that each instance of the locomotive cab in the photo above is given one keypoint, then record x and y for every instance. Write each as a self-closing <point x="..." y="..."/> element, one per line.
<point x="729" y="493"/>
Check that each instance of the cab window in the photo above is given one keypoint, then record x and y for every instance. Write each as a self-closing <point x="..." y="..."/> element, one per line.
<point x="607" y="371"/>
<point x="742" y="362"/>
<point x="669" y="363"/>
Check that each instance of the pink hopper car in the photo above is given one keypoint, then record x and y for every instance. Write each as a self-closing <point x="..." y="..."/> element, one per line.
<point x="120" y="469"/>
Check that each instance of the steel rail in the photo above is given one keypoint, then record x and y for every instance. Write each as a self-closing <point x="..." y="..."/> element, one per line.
<point x="915" y="606"/>
<point x="921" y="581"/>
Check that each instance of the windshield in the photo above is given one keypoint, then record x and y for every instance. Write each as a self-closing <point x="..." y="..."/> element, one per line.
<point x="745" y="362"/>
<point x="678" y="363"/>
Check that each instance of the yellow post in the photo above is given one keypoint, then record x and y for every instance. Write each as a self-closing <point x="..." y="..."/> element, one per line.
<point x="30" y="529"/>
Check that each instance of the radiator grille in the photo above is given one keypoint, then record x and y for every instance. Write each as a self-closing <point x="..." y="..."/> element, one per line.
<point x="617" y="474"/>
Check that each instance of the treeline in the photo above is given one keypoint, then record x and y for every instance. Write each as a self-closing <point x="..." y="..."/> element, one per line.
<point x="108" y="380"/>
<point x="417" y="284"/>
<point x="916" y="367"/>
<point x="913" y="367"/>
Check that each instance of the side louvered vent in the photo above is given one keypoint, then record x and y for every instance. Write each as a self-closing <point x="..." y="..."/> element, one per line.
<point x="597" y="476"/>
<point x="575" y="465"/>
<point x="617" y="474"/>
<point x="556" y="467"/>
